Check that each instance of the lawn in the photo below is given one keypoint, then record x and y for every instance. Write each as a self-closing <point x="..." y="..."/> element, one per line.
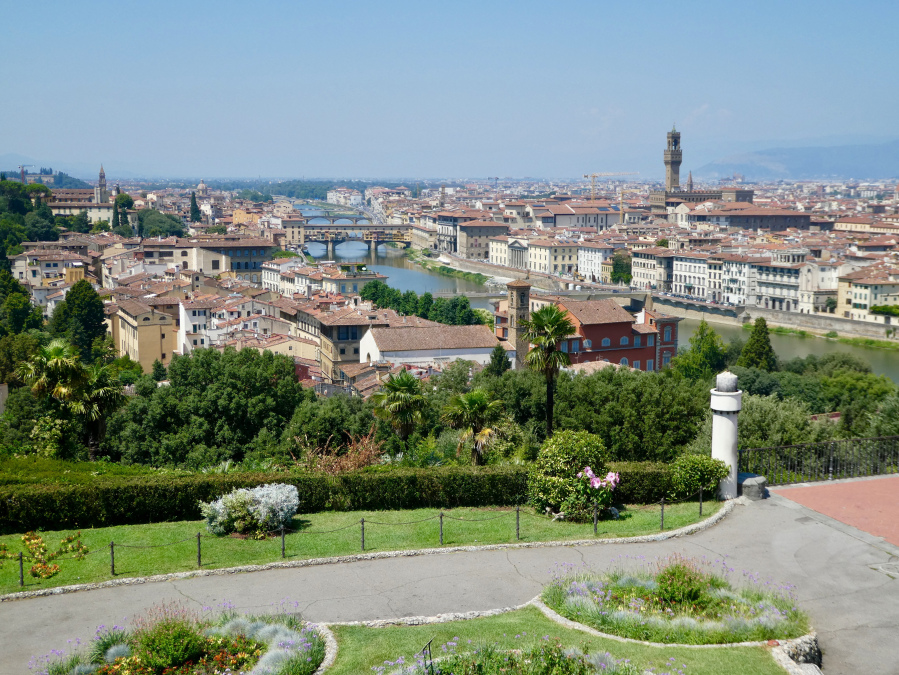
<point x="314" y="538"/>
<point x="360" y="648"/>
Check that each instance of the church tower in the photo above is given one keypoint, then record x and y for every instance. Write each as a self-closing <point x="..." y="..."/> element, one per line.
<point x="673" y="158"/>
<point x="690" y="182"/>
<point x="519" y="312"/>
<point x="101" y="194"/>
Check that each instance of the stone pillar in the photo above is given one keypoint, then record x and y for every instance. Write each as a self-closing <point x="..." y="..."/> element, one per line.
<point x="329" y="249"/>
<point x="726" y="404"/>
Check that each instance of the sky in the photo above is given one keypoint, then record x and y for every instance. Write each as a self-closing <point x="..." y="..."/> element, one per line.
<point x="458" y="89"/>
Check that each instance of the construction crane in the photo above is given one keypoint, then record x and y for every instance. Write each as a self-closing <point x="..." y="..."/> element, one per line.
<point x="495" y="180"/>
<point x="22" y="168"/>
<point x="594" y="176"/>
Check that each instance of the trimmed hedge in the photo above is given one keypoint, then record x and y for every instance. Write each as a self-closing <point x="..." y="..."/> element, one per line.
<point x="124" y="500"/>
<point x="642" y="482"/>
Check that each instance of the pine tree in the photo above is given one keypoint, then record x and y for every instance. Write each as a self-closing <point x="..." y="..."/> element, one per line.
<point x="499" y="361"/>
<point x="195" y="216"/>
<point x="758" y="352"/>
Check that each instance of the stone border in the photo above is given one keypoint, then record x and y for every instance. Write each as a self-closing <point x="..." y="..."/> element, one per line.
<point x="803" y="649"/>
<point x="702" y="525"/>
<point x="330" y="648"/>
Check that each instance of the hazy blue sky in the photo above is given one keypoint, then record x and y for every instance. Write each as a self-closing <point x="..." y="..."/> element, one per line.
<point x="393" y="88"/>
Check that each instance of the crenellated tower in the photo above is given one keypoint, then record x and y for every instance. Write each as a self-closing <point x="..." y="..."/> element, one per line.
<point x="673" y="159"/>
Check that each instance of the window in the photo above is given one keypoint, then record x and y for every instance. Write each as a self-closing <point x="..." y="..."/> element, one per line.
<point x="564" y="346"/>
<point x="623" y="360"/>
<point x="162" y="336"/>
<point x="637" y="365"/>
<point x="624" y="340"/>
<point x="636" y="341"/>
<point x="666" y="359"/>
<point x="606" y="342"/>
<point x="215" y="264"/>
<point x="183" y="254"/>
<point x="650" y="365"/>
<point x="195" y="343"/>
<point x="342" y="350"/>
<point x="667" y="334"/>
<point x="202" y="341"/>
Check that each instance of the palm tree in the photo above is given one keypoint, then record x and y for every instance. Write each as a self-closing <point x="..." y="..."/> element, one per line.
<point x="99" y="396"/>
<point x="544" y="330"/>
<point x="399" y="402"/>
<point x="476" y="414"/>
<point x="54" y="371"/>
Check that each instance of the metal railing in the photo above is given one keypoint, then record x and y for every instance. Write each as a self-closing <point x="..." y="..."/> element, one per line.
<point x="827" y="460"/>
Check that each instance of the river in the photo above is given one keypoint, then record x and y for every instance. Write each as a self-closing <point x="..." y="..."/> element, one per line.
<point x="405" y="275"/>
<point x="883" y="361"/>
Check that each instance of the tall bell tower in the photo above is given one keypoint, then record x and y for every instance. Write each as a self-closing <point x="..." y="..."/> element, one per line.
<point x="673" y="158"/>
<point x="519" y="312"/>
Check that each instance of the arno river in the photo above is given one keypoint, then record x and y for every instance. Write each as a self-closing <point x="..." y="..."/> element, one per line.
<point x="405" y="276"/>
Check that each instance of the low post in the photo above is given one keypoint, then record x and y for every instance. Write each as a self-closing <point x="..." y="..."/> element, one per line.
<point x="517" y="522"/>
<point x="726" y="402"/>
<point x="362" y="523"/>
<point x="112" y="558"/>
<point x="21" y="571"/>
<point x="594" y="518"/>
<point x="700" y="500"/>
<point x="282" y="541"/>
<point x="199" y="560"/>
<point x="662" y="524"/>
<point x="441" y="528"/>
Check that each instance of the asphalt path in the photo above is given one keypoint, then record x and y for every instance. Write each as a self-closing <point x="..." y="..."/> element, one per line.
<point x="835" y="568"/>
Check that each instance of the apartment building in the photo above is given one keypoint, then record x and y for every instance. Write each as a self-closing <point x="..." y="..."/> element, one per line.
<point x="553" y="256"/>
<point x="144" y="333"/>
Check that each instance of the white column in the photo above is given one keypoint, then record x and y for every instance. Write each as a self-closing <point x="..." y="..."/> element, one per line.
<point x="726" y="404"/>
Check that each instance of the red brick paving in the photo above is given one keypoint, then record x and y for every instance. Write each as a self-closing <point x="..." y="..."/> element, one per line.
<point x="869" y="505"/>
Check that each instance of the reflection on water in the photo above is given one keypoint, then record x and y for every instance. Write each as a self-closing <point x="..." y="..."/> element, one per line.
<point x="883" y="361"/>
<point x="402" y="273"/>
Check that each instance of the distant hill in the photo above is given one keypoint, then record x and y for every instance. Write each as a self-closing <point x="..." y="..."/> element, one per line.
<point x="843" y="161"/>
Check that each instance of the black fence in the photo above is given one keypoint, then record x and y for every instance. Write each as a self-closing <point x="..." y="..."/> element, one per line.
<point x="828" y="460"/>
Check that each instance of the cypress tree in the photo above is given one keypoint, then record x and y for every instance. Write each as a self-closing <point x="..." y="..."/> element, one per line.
<point x="115" y="216"/>
<point x="758" y="352"/>
<point x="195" y="216"/>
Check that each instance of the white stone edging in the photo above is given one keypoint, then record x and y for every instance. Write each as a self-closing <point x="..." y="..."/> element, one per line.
<point x="702" y="525"/>
<point x="330" y="648"/>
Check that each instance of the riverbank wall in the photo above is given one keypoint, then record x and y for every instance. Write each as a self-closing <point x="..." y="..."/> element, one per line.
<point x="537" y="279"/>
<point x="819" y="324"/>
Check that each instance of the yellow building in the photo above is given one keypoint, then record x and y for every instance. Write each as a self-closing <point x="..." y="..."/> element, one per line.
<point x="144" y="334"/>
<point x="243" y="216"/>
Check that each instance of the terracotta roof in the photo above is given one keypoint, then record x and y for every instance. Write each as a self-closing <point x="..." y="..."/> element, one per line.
<point x="590" y="312"/>
<point x="403" y="339"/>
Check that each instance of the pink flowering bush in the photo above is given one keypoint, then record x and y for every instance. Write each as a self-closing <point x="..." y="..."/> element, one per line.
<point x="590" y="489"/>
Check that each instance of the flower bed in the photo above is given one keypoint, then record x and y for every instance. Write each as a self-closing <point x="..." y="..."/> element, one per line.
<point x="677" y="600"/>
<point x="170" y="640"/>
<point x="550" y="658"/>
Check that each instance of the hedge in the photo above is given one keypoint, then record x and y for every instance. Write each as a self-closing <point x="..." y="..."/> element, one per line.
<point x="125" y="500"/>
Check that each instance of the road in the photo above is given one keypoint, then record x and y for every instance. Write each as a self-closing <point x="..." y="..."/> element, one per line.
<point x="854" y="607"/>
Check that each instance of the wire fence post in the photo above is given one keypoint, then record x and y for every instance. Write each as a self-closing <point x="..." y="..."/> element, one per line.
<point x="441" y="528"/>
<point x="282" y="540"/>
<point x="700" y="500"/>
<point x="517" y="522"/>
<point x="21" y="571"/>
<point x="199" y="559"/>
<point x="112" y="558"/>
<point x="662" y="524"/>
<point x="595" y="514"/>
<point x="362" y="523"/>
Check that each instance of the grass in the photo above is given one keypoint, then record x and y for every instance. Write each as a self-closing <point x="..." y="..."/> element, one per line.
<point x="445" y="270"/>
<point x="677" y="600"/>
<point x="34" y="469"/>
<point x="218" y="552"/>
<point x="782" y="330"/>
<point x="360" y="649"/>
<point x="869" y="343"/>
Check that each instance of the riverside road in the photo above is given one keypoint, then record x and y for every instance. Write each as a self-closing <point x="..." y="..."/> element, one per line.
<point x="840" y="573"/>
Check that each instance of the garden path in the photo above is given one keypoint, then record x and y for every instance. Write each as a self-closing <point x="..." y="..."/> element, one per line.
<point x="871" y="505"/>
<point x="834" y="568"/>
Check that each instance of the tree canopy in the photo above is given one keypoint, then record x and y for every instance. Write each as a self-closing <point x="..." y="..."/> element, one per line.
<point x="758" y="353"/>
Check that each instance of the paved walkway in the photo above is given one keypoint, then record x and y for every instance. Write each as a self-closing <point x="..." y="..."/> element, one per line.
<point x="871" y="505"/>
<point x="854" y="606"/>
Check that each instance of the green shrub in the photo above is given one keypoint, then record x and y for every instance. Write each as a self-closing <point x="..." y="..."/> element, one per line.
<point x="681" y="583"/>
<point x="553" y="476"/>
<point x="641" y="482"/>
<point x="105" y="500"/>
<point x="170" y="643"/>
<point x="692" y="472"/>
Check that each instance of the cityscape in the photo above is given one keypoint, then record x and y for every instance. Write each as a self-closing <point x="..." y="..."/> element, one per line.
<point x="299" y="387"/>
